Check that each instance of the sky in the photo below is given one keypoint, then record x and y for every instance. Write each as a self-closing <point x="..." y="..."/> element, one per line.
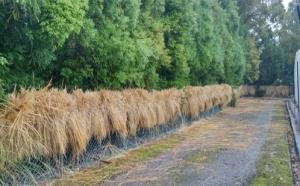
<point x="286" y="3"/>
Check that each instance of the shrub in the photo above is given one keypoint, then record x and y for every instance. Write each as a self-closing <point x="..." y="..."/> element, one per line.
<point x="260" y="92"/>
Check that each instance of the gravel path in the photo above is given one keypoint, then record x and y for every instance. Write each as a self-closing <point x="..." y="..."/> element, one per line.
<point x="222" y="150"/>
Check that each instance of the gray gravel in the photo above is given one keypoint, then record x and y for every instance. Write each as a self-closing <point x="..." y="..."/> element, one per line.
<point x="235" y="138"/>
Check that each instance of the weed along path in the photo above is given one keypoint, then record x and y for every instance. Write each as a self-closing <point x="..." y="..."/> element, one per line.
<point x="239" y="146"/>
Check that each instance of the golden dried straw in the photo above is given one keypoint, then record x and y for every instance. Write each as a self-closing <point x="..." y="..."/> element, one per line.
<point x="47" y="122"/>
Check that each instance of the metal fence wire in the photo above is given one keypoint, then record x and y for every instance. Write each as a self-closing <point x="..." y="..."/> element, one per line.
<point x="35" y="170"/>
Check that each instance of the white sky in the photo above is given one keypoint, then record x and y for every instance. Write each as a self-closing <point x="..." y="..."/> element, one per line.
<point x="286" y="3"/>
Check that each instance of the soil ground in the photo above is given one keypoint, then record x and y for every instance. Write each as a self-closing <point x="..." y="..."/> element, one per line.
<point x="245" y="145"/>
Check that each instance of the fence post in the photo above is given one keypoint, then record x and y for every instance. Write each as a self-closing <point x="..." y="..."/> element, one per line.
<point x="298" y="95"/>
<point x="298" y="11"/>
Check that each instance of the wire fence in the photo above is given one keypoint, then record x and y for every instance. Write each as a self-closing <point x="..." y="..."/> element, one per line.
<point x="35" y="170"/>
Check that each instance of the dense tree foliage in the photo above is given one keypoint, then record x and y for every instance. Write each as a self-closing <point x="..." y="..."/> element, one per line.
<point x="115" y="44"/>
<point x="120" y="43"/>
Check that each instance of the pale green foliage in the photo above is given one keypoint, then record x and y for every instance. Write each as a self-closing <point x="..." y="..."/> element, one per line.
<point x="60" y="18"/>
<point x="253" y="62"/>
<point x="3" y="71"/>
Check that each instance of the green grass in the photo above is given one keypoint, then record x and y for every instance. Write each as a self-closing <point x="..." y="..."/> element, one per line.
<point x="273" y="167"/>
<point x="153" y="150"/>
<point x="98" y="174"/>
<point x="201" y="156"/>
<point x="179" y="177"/>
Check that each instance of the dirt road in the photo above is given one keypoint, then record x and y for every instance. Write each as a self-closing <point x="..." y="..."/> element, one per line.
<point x="235" y="147"/>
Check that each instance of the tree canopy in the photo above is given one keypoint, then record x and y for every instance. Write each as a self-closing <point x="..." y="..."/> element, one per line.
<point x="152" y="44"/>
<point x="276" y="34"/>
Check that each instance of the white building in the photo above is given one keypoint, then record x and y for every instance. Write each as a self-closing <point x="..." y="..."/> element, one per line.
<point x="297" y="77"/>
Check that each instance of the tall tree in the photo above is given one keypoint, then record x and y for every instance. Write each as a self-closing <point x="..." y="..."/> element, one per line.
<point x="253" y="62"/>
<point x="234" y="44"/>
<point x="268" y="23"/>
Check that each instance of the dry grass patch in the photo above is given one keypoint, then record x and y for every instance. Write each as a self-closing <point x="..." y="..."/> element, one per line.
<point x="263" y="91"/>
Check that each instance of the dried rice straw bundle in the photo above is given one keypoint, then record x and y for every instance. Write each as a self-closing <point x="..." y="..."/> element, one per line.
<point x="210" y="97"/>
<point x="89" y="103"/>
<point x="114" y="109"/>
<point x="143" y="114"/>
<point x="131" y="98"/>
<point x="194" y="100"/>
<point x="51" y="109"/>
<point x="35" y="123"/>
<point x="48" y="122"/>
<point x="77" y="133"/>
<point x="170" y="101"/>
